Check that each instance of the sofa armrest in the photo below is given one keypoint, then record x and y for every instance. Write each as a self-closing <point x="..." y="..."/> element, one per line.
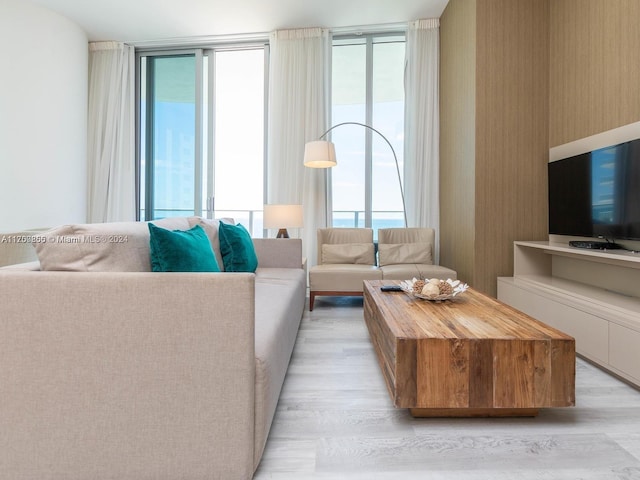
<point x="16" y="247"/>
<point x="278" y="252"/>
<point x="126" y="375"/>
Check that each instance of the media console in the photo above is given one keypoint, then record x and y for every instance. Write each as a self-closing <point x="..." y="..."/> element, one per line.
<point x="593" y="295"/>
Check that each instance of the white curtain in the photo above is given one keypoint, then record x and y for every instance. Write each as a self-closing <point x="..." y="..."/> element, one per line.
<point x="298" y="106"/>
<point x="422" y="126"/>
<point x="111" y="133"/>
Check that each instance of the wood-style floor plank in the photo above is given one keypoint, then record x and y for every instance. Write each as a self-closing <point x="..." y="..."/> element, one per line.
<point x="335" y="420"/>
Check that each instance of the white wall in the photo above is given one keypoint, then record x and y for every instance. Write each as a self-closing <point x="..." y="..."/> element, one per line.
<point x="43" y="118"/>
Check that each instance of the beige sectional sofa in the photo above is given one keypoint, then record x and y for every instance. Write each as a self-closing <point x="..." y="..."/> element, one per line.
<point x="347" y="257"/>
<point x="136" y="374"/>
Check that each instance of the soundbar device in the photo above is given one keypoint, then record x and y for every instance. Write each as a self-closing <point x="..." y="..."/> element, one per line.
<point x="595" y="245"/>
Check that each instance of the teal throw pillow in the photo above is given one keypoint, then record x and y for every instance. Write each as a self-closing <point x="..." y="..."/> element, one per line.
<point x="181" y="251"/>
<point x="236" y="246"/>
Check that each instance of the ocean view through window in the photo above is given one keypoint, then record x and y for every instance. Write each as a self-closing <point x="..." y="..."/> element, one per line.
<point x="202" y="132"/>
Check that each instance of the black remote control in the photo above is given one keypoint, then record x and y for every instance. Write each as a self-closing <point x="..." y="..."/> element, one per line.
<point x="391" y="288"/>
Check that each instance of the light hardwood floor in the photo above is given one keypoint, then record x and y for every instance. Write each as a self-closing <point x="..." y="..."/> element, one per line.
<point x="335" y="421"/>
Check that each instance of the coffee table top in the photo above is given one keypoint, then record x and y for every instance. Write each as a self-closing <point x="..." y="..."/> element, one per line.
<point x="469" y="315"/>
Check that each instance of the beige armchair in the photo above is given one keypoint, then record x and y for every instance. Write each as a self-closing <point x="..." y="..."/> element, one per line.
<point x="346" y="257"/>
<point x="405" y="253"/>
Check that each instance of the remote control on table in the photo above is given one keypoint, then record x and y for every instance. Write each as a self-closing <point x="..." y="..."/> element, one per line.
<point x="391" y="288"/>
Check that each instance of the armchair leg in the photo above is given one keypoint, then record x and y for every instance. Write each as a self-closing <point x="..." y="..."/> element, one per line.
<point x="312" y="297"/>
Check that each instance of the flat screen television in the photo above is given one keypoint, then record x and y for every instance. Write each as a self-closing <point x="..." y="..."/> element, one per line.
<point x="597" y="193"/>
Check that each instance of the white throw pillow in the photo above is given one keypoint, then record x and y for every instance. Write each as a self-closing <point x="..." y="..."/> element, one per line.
<point x="398" y="253"/>
<point x="351" y="253"/>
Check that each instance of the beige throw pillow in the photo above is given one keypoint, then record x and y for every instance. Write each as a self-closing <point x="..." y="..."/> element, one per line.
<point x="211" y="229"/>
<point x="397" y="253"/>
<point x="100" y="247"/>
<point x="351" y="253"/>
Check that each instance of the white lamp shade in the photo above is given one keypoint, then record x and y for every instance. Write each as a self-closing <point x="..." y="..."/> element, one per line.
<point x="283" y="216"/>
<point x="320" y="154"/>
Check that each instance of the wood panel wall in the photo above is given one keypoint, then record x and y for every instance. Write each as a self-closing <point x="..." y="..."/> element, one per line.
<point x="457" y="136"/>
<point x="518" y="77"/>
<point x="594" y="67"/>
<point x="512" y="143"/>
<point x="510" y="127"/>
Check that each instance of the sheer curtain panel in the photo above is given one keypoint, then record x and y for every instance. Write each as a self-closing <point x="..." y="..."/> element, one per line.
<point x="422" y="126"/>
<point x="298" y="105"/>
<point x="111" y="136"/>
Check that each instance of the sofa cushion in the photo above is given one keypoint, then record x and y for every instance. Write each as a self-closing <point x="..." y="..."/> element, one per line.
<point x="351" y="253"/>
<point x="238" y="253"/>
<point x="101" y="247"/>
<point x="279" y="303"/>
<point x="181" y="251"/>
<point x="395" y="253"/>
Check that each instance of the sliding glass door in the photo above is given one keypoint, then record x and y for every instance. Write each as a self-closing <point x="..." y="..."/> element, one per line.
<point x="169" y="121"/>
<point x="239" y="135"/>
<point x="202" y="134"/>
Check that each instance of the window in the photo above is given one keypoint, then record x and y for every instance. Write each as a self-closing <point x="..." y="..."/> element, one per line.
<point x="367" y="87"/>
<point x="202" y="134"/>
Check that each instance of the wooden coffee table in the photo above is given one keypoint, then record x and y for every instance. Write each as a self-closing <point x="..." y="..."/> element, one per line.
<point x="470" y="356"/>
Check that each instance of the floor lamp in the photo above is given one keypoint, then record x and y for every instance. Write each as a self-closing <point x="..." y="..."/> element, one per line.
<point x="322" y="154"/>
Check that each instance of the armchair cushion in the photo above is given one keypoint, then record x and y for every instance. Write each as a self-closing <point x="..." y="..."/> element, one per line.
<point x="408" y="271"/>
<point x="333" y="236"/>
<point x="351" y="253"/>
<point x="399" y="253"/>
<point x="406" y="235"/>
<point x="344" y="277"/>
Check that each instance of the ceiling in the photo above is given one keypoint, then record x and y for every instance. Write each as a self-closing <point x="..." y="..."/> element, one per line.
<point x="148" y="20"/>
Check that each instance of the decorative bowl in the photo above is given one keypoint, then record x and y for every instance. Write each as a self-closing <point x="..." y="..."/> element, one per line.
<point x="456" y="288"/>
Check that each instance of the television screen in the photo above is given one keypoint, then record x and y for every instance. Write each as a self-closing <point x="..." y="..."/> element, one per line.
<point x="597" y="193"/>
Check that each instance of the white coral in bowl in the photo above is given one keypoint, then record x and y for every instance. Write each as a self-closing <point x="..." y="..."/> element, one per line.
<point x="428" y="291"/>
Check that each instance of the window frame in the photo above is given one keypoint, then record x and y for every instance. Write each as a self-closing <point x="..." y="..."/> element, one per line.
<point x="200" y="184"/>
<point x="368" y="39"/>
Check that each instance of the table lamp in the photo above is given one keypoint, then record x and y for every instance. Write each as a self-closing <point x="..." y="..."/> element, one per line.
<point x="283" y="217"/>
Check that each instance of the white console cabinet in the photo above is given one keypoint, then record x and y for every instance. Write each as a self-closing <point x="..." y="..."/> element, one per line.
<point x="592" y="295"/>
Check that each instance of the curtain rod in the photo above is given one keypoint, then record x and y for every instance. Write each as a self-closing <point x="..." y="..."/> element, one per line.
<point x="258" y="37"/>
